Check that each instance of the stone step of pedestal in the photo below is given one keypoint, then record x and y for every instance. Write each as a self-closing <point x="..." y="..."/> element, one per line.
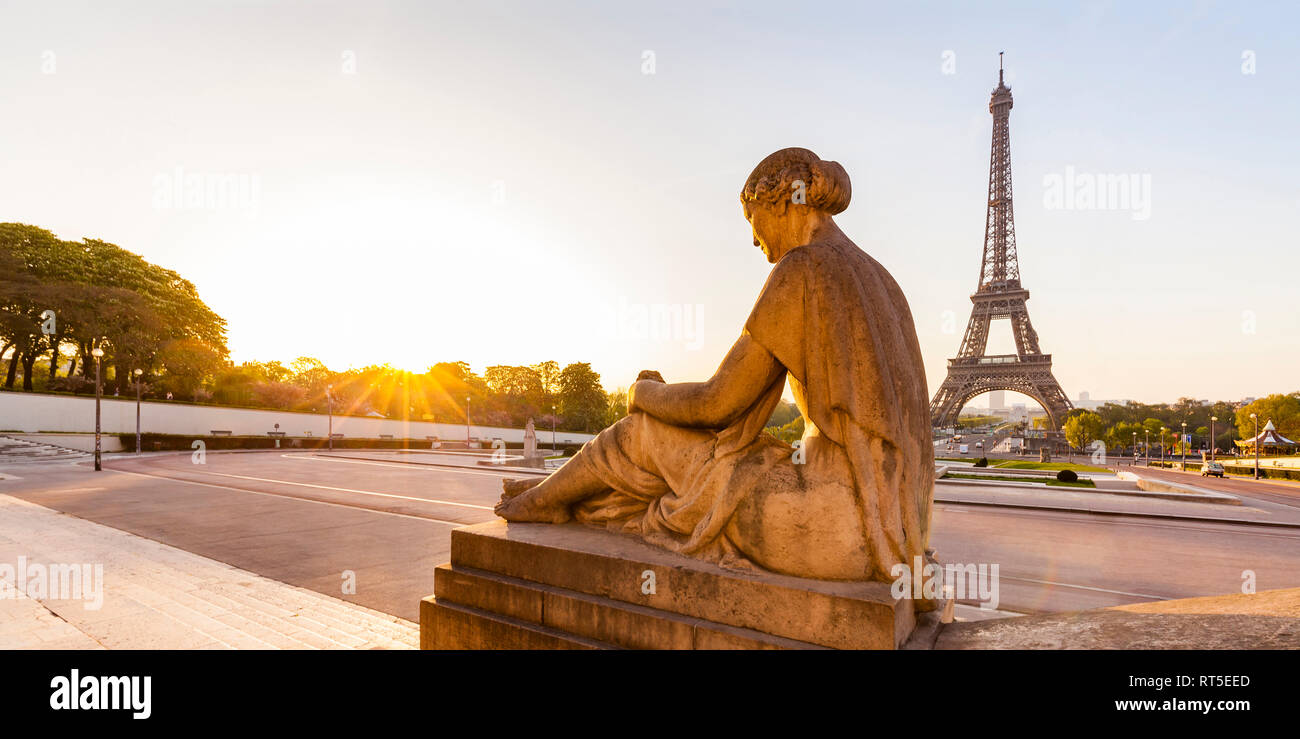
<point x="621" y="624"/>
<point x="626" y="570"/>
<point x="453" y="626"/>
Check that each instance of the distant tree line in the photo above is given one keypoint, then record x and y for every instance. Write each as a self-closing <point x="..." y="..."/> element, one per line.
<point x="571" y="398"/>
<point x="59" y="300"/>
<point x="1116" y="424"/>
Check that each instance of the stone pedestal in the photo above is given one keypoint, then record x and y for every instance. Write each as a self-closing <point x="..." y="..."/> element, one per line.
<point x="540" y="586"/>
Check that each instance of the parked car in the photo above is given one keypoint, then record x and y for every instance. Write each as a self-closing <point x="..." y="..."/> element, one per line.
<point x="1211" y="468"/>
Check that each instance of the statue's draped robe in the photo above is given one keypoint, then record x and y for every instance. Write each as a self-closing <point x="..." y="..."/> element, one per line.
<point x="840" y="325"/>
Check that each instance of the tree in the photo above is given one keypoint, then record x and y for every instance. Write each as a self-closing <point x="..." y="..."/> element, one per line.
<point x="1121" y="434"/>
<point x="272" y="394"/>
<point x="549" y="372"/>
<point x="788" y="432"/>
<point x="1282" y="410"/>
<point x="783" y="413"/>
<point x="583" y="402"/>
<point x="1082" y="428"/>
<point x="617" y="407"/>
<point x="96" y="290"/>
<point x="187" y="363"/>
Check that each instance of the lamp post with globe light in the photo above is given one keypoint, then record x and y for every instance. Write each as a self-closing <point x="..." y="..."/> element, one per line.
<point x="97" y="353"/>
<point x="1182" y="442"/>
<point x="1213" y="447"/>
<point x="1255" y="418"/>
<point x="137" y="374"/>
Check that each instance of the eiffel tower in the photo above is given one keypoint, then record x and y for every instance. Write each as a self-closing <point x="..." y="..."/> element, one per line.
<point x="973" y="372"/>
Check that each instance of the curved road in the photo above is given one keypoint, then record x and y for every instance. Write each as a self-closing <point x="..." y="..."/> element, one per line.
<point x="304" y="518"/>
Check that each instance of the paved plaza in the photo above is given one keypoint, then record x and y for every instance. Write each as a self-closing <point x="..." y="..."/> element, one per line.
<point x="257" y="549"/>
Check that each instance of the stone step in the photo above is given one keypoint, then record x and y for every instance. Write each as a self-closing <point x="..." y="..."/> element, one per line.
<point x="587" y="561"/>
<point x="452" y="626"/>
<point x="602" y="619"/>
<point x="16" y="451"/>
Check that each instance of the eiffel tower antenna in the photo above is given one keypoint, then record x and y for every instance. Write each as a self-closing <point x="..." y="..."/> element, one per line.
<point x="999" y="296"/>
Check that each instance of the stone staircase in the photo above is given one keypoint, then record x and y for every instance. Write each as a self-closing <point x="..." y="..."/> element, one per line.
<point x="543" y="586"/>
<point x="14" y="450"/>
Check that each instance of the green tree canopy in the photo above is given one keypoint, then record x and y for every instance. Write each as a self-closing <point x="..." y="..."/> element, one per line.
<point x="583" y="403"/>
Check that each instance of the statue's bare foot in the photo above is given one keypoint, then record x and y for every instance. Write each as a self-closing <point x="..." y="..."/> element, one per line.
<point x="512" y="487"/>
<point x="526" y="509"/>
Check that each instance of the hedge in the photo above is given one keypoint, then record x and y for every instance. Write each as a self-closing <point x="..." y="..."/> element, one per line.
<point x="179" y="442"/>
<point x="1277" y="473"/>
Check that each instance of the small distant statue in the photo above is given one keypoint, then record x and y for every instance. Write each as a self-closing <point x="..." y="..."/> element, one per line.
<point x="690" y="468"/>
<point x="530" y="440"/>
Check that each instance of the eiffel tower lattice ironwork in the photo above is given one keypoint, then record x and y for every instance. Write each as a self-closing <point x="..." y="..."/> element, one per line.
<point x="1000" y="296"/>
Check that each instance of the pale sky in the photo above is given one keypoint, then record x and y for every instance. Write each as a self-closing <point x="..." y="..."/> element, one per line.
<point x="504" y="183"/>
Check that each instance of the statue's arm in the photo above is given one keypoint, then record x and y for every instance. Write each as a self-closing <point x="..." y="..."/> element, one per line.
<point x="744" y="374"/>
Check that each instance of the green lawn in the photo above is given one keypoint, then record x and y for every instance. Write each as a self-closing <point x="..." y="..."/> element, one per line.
<point x="1043" y="480"/>
<point x="1017" y="465"/>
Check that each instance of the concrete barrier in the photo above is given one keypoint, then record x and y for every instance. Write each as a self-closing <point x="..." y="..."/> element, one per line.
<point x="35" y="412"/>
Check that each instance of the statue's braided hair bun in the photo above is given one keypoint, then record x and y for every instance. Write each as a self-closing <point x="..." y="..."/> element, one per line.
<point x="825" y="185"/>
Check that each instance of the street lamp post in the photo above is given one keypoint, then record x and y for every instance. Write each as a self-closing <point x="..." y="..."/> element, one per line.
<point x="137" y="374"/>
<point x="97" y="353"/>
<point x="1162" y="444"/>
<point x="1213" y="447"/>
<point x="467" y="422"/>
<point x="552" y="429"/>
<point x="1146" y="447"/>
<point x="1255" y="418"/>
<point x="1135" y="447"/>
<point x="329" y="402"/>
<point x="1182" y="442"/>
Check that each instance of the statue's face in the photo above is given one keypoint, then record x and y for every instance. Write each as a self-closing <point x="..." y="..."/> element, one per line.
<point x="764" y="220"/>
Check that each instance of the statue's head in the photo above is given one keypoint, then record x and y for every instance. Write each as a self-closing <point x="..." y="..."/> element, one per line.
<point x="788" y="194"/>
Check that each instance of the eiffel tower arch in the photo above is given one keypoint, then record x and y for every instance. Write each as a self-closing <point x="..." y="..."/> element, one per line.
<point x="999" y="296"/>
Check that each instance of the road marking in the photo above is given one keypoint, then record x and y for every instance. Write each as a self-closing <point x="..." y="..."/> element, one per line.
<point x="1111" y="518"/>
<point x="291" y="497"/>
<point x="349" y="490"/>
<point x="415" y="465"/>
<point x="1086" y="587"/>
<point x="73" y="490"/>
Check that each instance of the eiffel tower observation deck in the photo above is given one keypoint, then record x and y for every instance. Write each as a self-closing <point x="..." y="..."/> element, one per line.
<point x="999" y="296"/>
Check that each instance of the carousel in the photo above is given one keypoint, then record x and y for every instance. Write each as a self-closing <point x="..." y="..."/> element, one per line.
<point x="1269" y="442"/>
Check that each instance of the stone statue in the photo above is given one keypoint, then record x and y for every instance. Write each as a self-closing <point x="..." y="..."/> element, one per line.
<point x="530" y="440"/>
<point x="690" y="468"/>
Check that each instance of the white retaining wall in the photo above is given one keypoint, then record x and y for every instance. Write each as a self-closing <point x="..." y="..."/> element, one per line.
<point x="32" y="412"/>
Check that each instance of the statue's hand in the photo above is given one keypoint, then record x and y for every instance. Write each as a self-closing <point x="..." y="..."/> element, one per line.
<point x="650" y="375"/>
